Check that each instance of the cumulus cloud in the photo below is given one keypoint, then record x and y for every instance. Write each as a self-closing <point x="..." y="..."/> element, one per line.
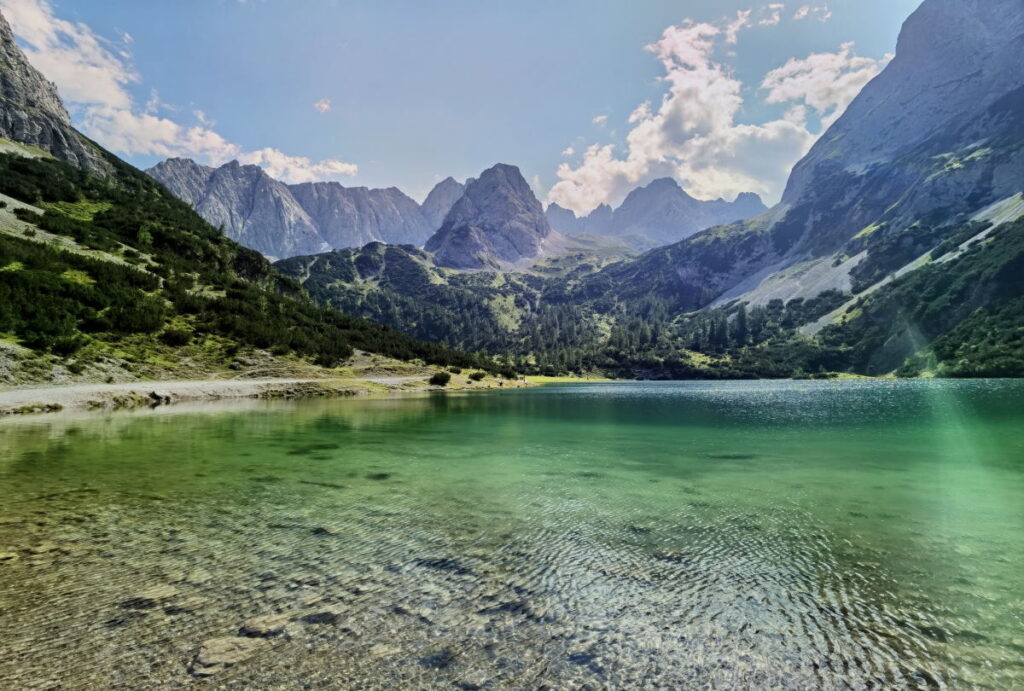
<point x="600" y="120"/>
<point x="297" y="168"/>
<point x="826" y="82"/>
<point x="568" y="151"/>
<point x="693" y="134"/>
<point x="323" y="105"/>
<point x="94" y="78"/>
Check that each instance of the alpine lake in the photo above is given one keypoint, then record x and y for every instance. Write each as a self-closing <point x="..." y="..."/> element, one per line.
<point x="857" y="534"/>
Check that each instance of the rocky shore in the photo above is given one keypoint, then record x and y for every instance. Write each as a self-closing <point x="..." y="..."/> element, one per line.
<point x="127" y="395"/>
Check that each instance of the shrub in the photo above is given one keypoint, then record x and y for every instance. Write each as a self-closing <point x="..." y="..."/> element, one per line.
<point x="455" y="370"/>
<point x="440" y="379"/>
<point x="176" y="337"/>
<point x="478" y="376"/>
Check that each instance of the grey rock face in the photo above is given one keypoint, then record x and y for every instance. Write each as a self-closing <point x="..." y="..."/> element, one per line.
<point x="440" y="201"/>
<point x="32" y="113"/>
<point x="953" y="57"/>
<point x="258" y="211"/>
<point x="252" y="208"/>
<point x="288" y="220"/>
<point x="661" y="211"/>
<point x="354" y="216"/>
<point x="498" y="220"/>
<point x="185" y="178"/>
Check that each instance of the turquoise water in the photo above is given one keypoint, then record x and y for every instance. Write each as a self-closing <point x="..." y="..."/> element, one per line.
<point x="795" y="534"/>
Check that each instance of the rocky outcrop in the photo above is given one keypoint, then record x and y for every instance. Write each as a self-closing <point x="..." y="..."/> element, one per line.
<point x="498" y="222"/>
<point x="282" y="220"/>
<point x="31" y="111"/>
<point x="660" y="212"/>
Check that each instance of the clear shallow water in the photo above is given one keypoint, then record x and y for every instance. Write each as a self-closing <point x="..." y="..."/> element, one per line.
<point x="726" y="535"/>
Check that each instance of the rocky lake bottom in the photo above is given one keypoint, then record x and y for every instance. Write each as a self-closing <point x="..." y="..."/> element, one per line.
<point x="725" y="535"/>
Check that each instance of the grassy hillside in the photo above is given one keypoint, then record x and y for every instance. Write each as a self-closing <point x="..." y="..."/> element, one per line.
<point x="94" y="270"/>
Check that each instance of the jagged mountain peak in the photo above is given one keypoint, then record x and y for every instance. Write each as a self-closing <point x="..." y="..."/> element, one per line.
<point x="497" y="221"/>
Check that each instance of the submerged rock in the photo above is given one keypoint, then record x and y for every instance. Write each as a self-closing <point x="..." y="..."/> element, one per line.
<point x="320" y="616"/>
<point x="150" y="598"/>
<point x="439" y="660"/>
<point x="217" y="654"/>
<point x="265" y="626"/>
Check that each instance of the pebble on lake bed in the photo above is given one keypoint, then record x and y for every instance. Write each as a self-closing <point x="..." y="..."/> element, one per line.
<point x="217" y="654"/>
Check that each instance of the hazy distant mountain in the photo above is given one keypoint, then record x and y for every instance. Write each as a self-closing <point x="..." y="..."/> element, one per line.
<point x="440" y="201"/>
<point x="282" y="220"/>
<point x="597" y="222"/>
<point x="497" y="221"/>
<point x="32" y="113"/>
<point x="661" y="212"/>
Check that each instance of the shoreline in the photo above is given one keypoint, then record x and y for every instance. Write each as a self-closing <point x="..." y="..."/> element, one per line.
<point x="141" y="394"/>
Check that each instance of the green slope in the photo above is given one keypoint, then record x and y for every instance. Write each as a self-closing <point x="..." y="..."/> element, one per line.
<point x="120" y="268"/>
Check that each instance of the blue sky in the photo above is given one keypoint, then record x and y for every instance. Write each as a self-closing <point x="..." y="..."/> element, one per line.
<point x="421" y="90"/>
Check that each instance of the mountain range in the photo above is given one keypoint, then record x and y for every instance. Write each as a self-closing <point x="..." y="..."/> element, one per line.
<point x="282" y="220"/>
<point x="896" y="246"/>
<point x="659" y="213"/>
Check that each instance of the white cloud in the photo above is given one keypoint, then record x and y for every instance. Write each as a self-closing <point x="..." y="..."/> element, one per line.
<point x="323" y="105"/>
<point x="297" y="168"/>
<point x="600" y="120"/>
<point x="733" y="28"/>
<point x="94" y="80"/>
<point x="822" y="13"/>
<point x="568" y="151"/>
<point x="202" y="118"/>
<point x="693" y="133"/>
<point x="772" y="14"/>
<point x="826" y="82"/>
